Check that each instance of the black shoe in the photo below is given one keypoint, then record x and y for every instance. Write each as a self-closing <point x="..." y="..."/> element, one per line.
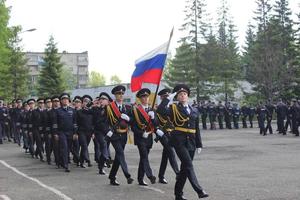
<point x="163" y="181"/>
<point x="67" y="170"/>
<point x="203" y="194"/>
<point x="143" y="183"/>
<point x="82" y="165"/>
<point x="129" y="180"/>
<point x="49" y="162"/>
<point x="114" y="182"/>
<point x="42" y="160"/>
<point x="180" y="198"/>
<point x="102" y="172"/>
<point x="152" y="179"/>
<point x="89" y="164"/>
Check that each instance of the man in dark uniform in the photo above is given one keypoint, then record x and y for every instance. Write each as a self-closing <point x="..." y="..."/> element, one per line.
<point x="85" y="129"/>
<point x="101" y="127"/>
<point x="228" y="115"/>
<point x="270" y="107"/>
<point x="31" y="141"/>
<point x="77" y="105"/>
<point x="168" y="152"/>
<point x="55" y="137"/>
<point x="203" y="112"/>
<point x="288" y="117"/>
<point x="245" y="114"/>
<point x="212" y="114"/>
<point x="262" y="114"/>
<point x="281" y="110"/>
<point x="118" y="117"/>
<point x="236" y="112"/>
<point x="185" y="138"/>
<point x="38" y="128"/>
<point x="25" y="126"/>
<point x="47" y="130"/>
<point x="295" y="112"/>
<point x="251" y="114"/>
<point x="65" y="126"/>
<point x="2" y="117"/>
<point x="143" y="126"/>
<point x="221" y="113"/>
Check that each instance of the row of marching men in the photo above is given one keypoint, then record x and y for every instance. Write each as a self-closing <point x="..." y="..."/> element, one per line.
<point x="225" y="115"/>
<point x="60" y="128"/>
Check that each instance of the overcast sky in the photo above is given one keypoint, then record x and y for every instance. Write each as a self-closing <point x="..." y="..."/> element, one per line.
<point x="115" y="33"/>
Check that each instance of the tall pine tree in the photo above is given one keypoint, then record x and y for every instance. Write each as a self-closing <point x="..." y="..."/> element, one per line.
<point x="50" y="79"/>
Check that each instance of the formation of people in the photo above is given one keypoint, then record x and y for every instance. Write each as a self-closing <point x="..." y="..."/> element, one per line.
<point x="55" y="127"/>
<point x="287" y="115"/>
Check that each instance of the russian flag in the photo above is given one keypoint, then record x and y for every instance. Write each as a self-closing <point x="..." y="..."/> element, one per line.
<point x="149" y="68"/>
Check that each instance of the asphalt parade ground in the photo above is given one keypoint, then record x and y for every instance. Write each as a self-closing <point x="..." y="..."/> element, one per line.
<point x="233" y="165"/>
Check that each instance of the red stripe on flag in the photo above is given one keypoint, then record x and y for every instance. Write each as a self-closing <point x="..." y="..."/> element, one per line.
<point x="150" y="76"/>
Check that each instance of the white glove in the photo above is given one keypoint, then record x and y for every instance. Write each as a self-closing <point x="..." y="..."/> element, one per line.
<point x="151" y="114"/>
<point x="159" y="132"/>
<point x="109" y="133"/>
<point x="125" y="117"/>
<point x="171" y="96"/>
<point x="145" y="135"/>
<point x="199" y="150"/>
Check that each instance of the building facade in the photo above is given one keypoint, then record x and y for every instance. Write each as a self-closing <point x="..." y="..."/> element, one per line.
<point x="76" y="63"/>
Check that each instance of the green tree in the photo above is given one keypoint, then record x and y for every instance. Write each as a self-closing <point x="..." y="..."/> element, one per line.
<point x="229" y="68"/>
<point x="115" y="80"/>
<point x="96" y="79"/>
<point x="4" y="49"/>
<point x="50" y="80"/>
<point x="17" y="83"/>
<point x="69" y="80"/>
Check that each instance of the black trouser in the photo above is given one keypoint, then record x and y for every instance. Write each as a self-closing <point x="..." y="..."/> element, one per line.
<point x="295" y="127"/>
<point x="65" y="144"/>
<point x="203" y="118"/>
<point x="244" y="118"/>
<point x="39" y="144"/>
<point x="101" y="153"/>
<point x="220" y="120"/>
<point x="75" y="148"/>
<point x="48" y="146"/>
<point x="186" y="171"/>
<point x="280" y="124"/>
<point x="261" y="123"/>
<point x="17" y="133"/>
<point x="119" y="146"/>
<point x="144" y="165"/>
<point x="212" y="119"/>
<point x="1" y="132"/>
<point x="228" y="121"/>
<point x="168" y="153"/>
<point x="269" y="125"/>
<point x="236" y="122"/>
<point x="251" y="120"/>
<point x="56" y="150"/>
<point x="84" y="141"/>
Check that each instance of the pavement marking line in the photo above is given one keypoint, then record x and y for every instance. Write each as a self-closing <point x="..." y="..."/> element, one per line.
<point x="153" y="189"/>
<point x="57" y="192"/>
<point x="4" y="197"/>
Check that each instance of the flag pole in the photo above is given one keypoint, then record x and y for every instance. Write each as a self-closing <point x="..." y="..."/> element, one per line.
<point x="154" y="99"/>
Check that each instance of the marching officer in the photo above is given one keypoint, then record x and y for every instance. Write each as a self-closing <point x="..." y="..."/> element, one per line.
<point x="168" y="152"/>
<point x="251" y="115"/>
<point x="47" y="129"/>
<point x="25" y="126"/>
<point x="77" y="105"/>
<point x="262" y="113"/>
<point x="185" y="138"/>
<point x="236" y="115"/>
<point x="2" y="119"/>
<point x="101" y="127"/>
<point x="118" y="118"/>
<point x="143" y="126"/>
<point x="221" y="113"/>
<point x="295" y="112"/>
<point x="203" y="112"/>
<point x="85" y="129"/>
<point x="270" y="107"/>
<point x="212" y="114"/>
<point x="245" y="114"/>
<point x="65" y="126"/>
<point x="55" y="137"/>
<point x="228" y="115"/>
<point x="281" y="110"/>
